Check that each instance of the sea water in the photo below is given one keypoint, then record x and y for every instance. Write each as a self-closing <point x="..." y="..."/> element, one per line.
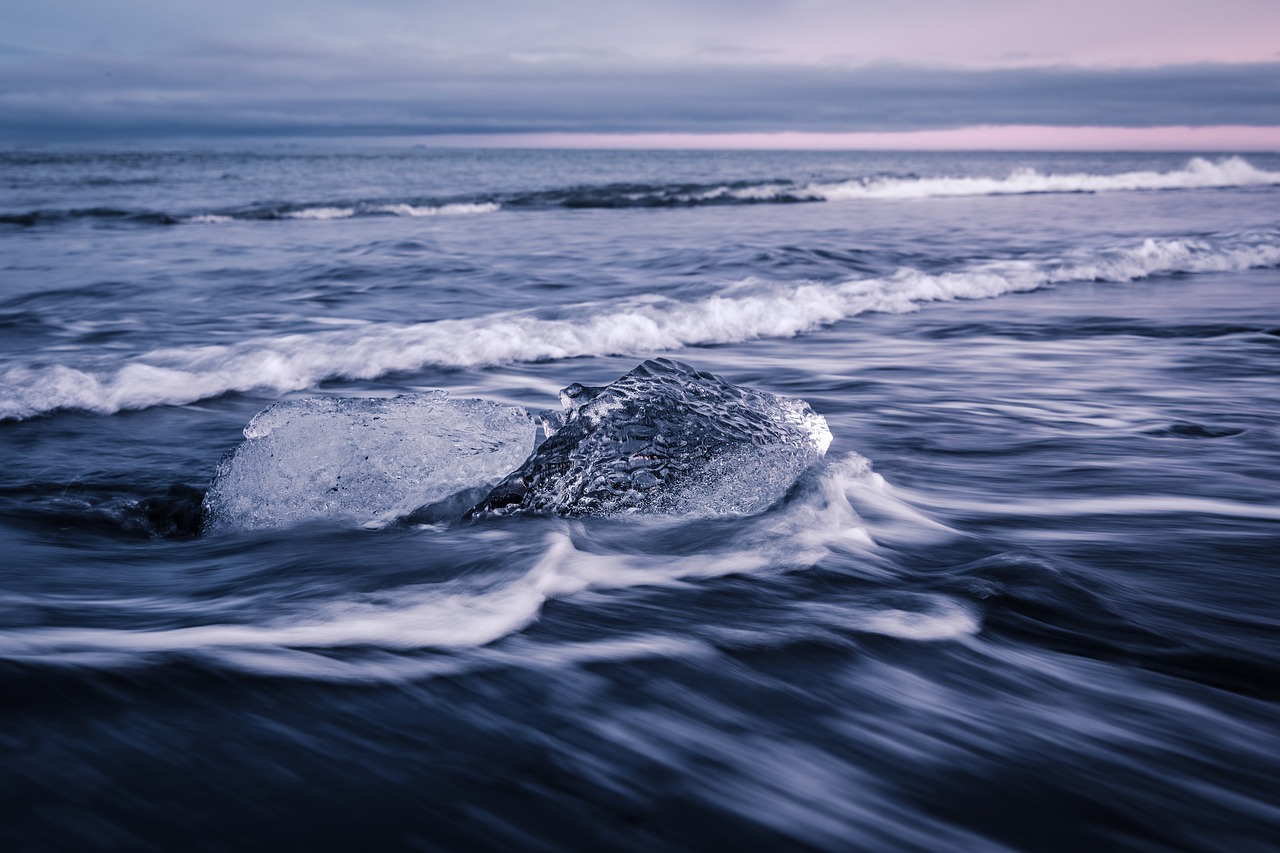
<point x="1028" y="601"/>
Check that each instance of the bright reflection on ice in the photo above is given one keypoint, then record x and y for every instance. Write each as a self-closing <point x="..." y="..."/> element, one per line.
<point x="366" y="461"/>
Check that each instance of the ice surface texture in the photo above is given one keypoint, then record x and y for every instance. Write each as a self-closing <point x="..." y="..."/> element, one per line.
<point x="366" y="461"/>
<point x="664" y="439"/>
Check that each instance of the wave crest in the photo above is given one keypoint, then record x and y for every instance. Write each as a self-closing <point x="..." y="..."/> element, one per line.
<point x="742" y="312"/>
<point x="1198" y="173"/>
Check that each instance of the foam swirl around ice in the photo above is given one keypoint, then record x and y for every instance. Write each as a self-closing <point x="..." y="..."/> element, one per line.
<point x="462" y="620"/>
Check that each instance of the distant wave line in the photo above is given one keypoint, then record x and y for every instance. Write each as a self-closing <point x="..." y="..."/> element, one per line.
<point x="1198" y="173"/>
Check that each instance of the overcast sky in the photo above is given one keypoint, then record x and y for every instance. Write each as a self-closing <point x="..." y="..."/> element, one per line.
<point x="167" y="68"/>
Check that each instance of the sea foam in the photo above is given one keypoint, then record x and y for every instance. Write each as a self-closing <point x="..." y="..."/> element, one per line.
<point x="633" y="326"/>
<point x="437" y="210"/>
<point x="333" y="212"/>
<point x="468" y="612"/>
<point x="322" y="213"/>
<point x="1198" y="173"/>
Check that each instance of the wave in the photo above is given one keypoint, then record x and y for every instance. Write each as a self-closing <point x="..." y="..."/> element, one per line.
<point x="440" y="210"/>
<point x="741" y="312"/>
<point x="320" y="213"/>
<point x="112" y="214"/>
<point x="587" y="197"/>
<point x="392" y="209"/>
<point x="324" y="212"/>
<point x="469" y="613"/>
<point x="661" y="195"/>
<point x="1198" y="173"/>
<point x="250" y="214"/>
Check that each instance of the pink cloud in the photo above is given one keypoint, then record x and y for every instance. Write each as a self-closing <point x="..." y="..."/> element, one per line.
<point x="997" y="138"/>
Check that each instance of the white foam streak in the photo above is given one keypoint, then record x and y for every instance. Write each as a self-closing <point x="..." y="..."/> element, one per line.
<point x="932" y="618"/>
<point x="391" y="668"/>
<point x="1199" y="173"/>
<point x="1162" y="257"/>
<point x="322" y="213"/>
<point x="421" y="618"/>
<point x="470" y="613"/>
<point x="747" y="311"/>
<point x="440" y="616"/>
<point x="327" y="213"/>
<point x="1136" y="505"/>
<point x="759" y="192"/>
<point x="442" y="210"/>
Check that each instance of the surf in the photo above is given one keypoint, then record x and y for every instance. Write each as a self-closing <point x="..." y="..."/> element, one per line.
<point x="735" y="312"/>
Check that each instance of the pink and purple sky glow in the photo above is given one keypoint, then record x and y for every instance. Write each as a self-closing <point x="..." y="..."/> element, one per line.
<point x="992" y="74"/>
<point x="999" y="138"/>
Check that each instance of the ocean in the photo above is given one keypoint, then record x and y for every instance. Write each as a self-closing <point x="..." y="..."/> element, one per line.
<point x="1027" y="602"/>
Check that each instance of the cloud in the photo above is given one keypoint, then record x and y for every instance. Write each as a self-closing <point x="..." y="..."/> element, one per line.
<point x="148" y="68"/>
<point x="277" y="89"/>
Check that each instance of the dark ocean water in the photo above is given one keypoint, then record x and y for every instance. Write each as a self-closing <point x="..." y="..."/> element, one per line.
<point x="1029" y="602"/>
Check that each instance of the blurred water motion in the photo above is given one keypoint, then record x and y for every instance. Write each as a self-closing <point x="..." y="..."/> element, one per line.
<point x="1026" y="603"/>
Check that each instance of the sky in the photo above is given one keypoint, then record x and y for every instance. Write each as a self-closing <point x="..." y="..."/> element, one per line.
<point x="1181" y="74"/>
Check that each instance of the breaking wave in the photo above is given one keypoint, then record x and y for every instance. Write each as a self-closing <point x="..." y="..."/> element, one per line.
<point x="1198" y="173"/>
<point x="250" y="214"/>
<point x="392" y="209"/>
<point x="740" y="312"/>
<point x="361" y="209"/>
<point x="440" y="210"/>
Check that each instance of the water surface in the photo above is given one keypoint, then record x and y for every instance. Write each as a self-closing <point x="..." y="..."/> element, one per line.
<point x="1028" y="602"/>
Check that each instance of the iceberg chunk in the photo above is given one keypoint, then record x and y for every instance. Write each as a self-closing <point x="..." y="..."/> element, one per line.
<point x="363" y="461"/>
<point x="664" y="439"/>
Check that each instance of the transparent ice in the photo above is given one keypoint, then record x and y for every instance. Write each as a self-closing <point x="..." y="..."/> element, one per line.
<point x="363" y="461"/>
<point x="664" y="439"/>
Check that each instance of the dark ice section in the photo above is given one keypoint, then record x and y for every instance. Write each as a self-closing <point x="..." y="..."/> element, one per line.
<point x="667" y="439"/>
